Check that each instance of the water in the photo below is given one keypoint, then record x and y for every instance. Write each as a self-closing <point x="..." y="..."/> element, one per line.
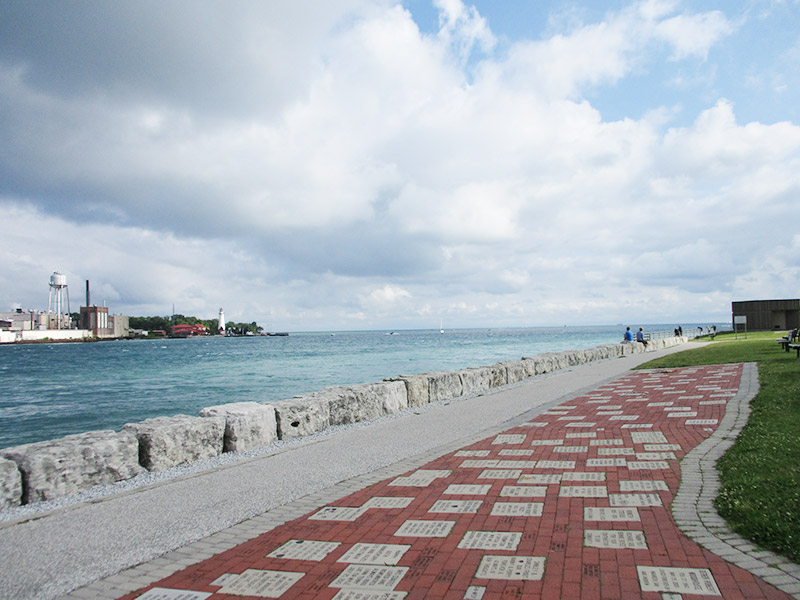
<point x="52" y="390"/>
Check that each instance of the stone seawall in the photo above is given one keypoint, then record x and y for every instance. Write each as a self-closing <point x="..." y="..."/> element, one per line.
<point x="47" y="470"/>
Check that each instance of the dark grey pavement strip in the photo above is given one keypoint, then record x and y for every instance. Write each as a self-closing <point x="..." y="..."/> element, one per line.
<point x="693" y="506"/>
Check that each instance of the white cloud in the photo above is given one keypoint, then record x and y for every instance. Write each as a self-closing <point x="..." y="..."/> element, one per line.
<point x="368" y="173"/>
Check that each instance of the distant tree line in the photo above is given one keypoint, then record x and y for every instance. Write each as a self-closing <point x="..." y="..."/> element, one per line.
<point x="166" y="323"/>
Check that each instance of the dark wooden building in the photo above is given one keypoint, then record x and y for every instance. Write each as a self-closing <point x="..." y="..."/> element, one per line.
<point x="768" y="314"/>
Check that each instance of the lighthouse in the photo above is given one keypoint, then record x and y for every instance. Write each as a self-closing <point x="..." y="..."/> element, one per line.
<point x="221" y="326"/>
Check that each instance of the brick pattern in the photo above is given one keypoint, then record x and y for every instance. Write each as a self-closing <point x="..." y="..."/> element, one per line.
<point x="574" y="504"/>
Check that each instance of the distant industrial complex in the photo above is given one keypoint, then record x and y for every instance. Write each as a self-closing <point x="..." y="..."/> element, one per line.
<point x="94" y="322"/>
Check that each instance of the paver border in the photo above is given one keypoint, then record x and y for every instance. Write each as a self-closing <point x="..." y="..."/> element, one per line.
<point x="693" y="505"/>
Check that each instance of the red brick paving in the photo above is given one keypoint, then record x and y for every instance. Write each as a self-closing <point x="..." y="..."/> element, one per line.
<point x="437" y="568"/>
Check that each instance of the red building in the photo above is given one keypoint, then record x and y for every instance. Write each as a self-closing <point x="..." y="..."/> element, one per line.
<point x="186" y="330"/>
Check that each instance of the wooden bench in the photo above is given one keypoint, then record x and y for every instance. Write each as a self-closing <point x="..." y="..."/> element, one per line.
<point x="786" y="341"/>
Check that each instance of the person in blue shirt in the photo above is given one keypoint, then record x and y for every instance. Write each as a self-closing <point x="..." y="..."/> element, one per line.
<point x="640" y="338"/>
<point x="628" y="335"/>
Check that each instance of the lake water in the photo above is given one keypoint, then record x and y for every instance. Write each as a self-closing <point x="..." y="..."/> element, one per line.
<point x="51" y="390"/>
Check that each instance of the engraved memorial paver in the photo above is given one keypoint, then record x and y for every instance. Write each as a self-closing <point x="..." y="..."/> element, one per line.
<point x="655" y="456"/>
<point x="571" y="449"/>
<point x="661" y="447"/>
<point x="647" y="465"/>
<point x="511" y="568"/>
<point x="581" y="434"/>
<point x="556" y="464"/>
<point x="264" y="583"/>
<point x="677" y="580"/>
<point x="348" y="594"/>
<point x="374" y="554"/>
<point x="455" y="506"/>
<point x="369" y="577"/>
<point x="606" y="462"/>
<point x="680" y="415"/>
<point x="415" y="528"/>
<point x="467" y="489"/>
<point x="613" y="451"/>
<point x="509" y="438"/>
<point x="475" y="592"/>
<point x="606" y="442"/>
<point x="624" y="418"/>
<point x="516" y="452"/>
<point x="634" y="500"/>
<point x="515" y="464"/>
<point x="500" y="474"/>
<point x="583" y="491"/>
<point x="701" y="421"/>
<point x="580" y="424"/>
<point x="477" y="463"/>
<point x="642" y="485"/>
<point x="158" y="593"/>
<point x="420" y="478"/>
<point x="609" y="538"/>
<point x="648" y="437"/>
<point x="583" y="476"/>
<point x="338" y="513"/>
<point x="523" y="491"/>
<point x="637" y="426"/>
<point x="540" y="478"/>
<point x="490" y="540"/>
<point x="304" y="550"/>
<point x="605" y="513"/>
<point x="517" y="509"/>
<point x="571" y="418"/>
<point x="387" y="502"/>
<point x="472" y="453"/>
<point x="546" y="442"/>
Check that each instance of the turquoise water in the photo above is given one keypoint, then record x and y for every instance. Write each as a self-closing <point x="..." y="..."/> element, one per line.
<point x="52" y="390"/>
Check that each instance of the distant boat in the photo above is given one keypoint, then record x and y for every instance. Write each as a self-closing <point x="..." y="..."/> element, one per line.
<point x="441" y="327"/>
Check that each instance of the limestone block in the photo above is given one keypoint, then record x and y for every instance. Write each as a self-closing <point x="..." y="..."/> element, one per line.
<point x="165" y="442"/>
<point x="476" y="380"/>
<point x="303" y="415"/>
<point x="516" y="370"/>
<point x="352" y="404"/>
<point x="73" y="463"/>
<point x="417" y="389"/>
<point x="247" y="425"/>
<point x="10" y="484"/>
<point x="444" y="385"/>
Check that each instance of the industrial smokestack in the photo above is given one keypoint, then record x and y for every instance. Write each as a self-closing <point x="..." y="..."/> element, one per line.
<point x="87" y="293"/>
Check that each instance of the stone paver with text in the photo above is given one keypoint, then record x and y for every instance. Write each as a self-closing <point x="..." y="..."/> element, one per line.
<point x="574" y="504"/>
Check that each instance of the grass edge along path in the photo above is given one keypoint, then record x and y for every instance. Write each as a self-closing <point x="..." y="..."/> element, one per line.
<point x="760" y="474"/>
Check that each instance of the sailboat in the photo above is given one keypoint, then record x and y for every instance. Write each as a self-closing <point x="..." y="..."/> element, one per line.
<point x="441" y="328"/>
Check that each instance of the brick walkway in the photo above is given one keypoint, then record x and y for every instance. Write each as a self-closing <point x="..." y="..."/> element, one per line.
<point x="574" y="504"/>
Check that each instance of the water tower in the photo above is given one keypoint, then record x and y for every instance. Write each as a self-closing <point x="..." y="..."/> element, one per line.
<point x="59" y="292"/>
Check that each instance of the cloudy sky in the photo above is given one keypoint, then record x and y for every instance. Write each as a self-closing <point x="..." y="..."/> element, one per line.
<point x="360" y="164"/>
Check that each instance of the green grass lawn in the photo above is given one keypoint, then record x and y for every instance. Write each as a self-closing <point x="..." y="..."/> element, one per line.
<point x="760" y="494"/>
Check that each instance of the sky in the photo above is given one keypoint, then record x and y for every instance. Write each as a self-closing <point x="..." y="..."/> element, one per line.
<point x="378" y="164"/>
